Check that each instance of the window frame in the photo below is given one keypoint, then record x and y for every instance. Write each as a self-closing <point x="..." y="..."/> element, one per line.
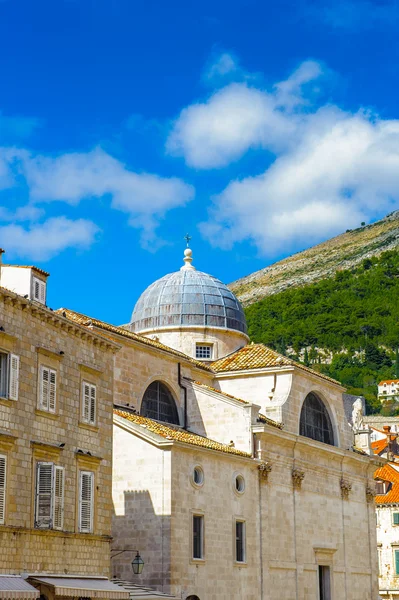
<point x="92" y="407"/>
<point x="147" y="409"/>
<point x="395" y="513"/>
<point x="84" y="473"/>
<point x="324" y="584"/>
<point x="240" y="521"/>
<point x="201" y="516"/>
<point x="306" y="418"/>
<point x="57" y="471"/>
<point x="46" y="407"/>
<point x="42" y="290"/>
<point x="9" y="375"/>
<point x="200" y="347"/>
<point x="395" y="549"/>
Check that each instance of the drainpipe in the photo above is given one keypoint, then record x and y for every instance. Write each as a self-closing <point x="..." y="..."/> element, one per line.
<point x="183" y="387"/>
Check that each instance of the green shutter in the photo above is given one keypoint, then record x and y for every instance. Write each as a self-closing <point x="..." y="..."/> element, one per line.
<point x="397" y="562"/>
<point x="396" y="518"/>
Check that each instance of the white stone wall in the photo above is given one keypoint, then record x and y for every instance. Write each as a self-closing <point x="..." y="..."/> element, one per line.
<point x="388" y="541"/>
<point x="224" y="341"/>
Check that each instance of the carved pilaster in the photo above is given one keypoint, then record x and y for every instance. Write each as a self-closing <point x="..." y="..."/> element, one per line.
<point x="297" y="478"/>
<point x="345" y="488"/>
<point x="370" y="493"/>
<point x="264" y="470"/>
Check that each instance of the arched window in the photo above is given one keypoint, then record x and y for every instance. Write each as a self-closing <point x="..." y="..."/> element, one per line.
<point x="158" y="404"/>
<point x="315" y="421"/>
<point x="192" y="598"/>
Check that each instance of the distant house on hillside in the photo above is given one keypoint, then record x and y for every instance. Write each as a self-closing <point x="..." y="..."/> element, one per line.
<point x="388" y="390"/>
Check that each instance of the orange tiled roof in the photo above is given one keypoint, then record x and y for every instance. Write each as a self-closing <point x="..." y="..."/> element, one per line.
<point x="388" y="473"/>
<point x="170" y="432"/>
<point x="389" y="381"/>
<point x="82" y="319"/>
<point x="259" y="356"/>
<point x="379" y="446"/>
<point x="263" y="419"/>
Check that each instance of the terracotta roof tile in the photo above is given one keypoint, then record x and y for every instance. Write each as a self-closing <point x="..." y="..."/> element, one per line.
<point x="379" y="446"/>
<point x="264" y="419"/>
<point x="259" y="356"/>
<point x="82" y="319"/>
<point x="388" y="473"/>
<point x="389" y="381"/>
<point x="170" y="432"/>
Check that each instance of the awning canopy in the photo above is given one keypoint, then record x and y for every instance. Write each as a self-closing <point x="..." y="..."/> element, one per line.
<point x="15" y="587"/>
<point x="82" y="587"/>
<point x="137" y="592"/>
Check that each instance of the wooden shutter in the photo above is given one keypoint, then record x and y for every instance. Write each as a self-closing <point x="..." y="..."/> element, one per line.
<point x="52" y="390"/>
<point x="13" y="377"/>
<point x="44" y="495"/>
<point x="44" y="387"/>
<point x="396" y="518"/>
<point x="48" y="389"/>
<point x="396" y="562"/>
<point x="42" y="292"/>
<point x="93" y="393"/>
<point x="86" y="502"/>
<point x="58" y="516"/>
<point x="3" y="477"/>
<point x="86" y="402"/>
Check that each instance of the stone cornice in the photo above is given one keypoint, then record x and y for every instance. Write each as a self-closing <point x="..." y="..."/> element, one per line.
<point x="57" y="320"/>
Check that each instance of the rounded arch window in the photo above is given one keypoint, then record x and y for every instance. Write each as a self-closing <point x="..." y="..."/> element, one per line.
<point x="158" y="404"/>
<point x="315" y="422"/>
<point x="192" y="598"/>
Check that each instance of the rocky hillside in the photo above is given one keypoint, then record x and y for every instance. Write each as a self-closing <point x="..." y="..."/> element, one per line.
<point x="321" y="261"/>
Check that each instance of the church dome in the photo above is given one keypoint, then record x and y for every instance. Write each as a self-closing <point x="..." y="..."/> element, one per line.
<point x="188" y="298"/>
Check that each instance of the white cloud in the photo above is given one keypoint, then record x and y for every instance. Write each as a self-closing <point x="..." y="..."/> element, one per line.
<point x="238" y="117"/>
<point x="42" y="241"/>
<point x="342" y="169"/>
<point x="73" y="177"/>
<point x="224" y="64"/>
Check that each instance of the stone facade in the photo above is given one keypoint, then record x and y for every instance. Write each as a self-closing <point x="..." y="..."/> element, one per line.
<point x="29" y="434"/>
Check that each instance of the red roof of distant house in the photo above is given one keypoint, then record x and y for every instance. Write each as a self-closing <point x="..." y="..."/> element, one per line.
<point x="388" y="473"/>
<point x="389" y="381"/>
<point x="379" y="446"/>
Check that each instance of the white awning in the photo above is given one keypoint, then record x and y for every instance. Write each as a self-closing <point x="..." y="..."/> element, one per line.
<point x="137" y="592"/>
<point x="15" y="587"/>
<point x="91" y="587"/>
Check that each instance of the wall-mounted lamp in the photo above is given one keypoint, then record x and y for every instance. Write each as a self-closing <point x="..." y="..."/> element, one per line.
<point x="137" y="562"/>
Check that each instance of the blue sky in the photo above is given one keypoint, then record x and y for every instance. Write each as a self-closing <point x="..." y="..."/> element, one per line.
<point x="259" y="127"/>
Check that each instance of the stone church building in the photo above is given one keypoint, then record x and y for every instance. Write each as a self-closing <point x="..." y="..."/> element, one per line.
<point x="234" y="468"/>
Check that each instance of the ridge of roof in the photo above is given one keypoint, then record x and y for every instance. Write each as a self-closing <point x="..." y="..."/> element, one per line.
<point x="388" y="473"/>
<point x="258" y="356"/>
<point x="263" y="419"/>
<point x="27" y="267"/>
<point x="212" y="389"/>
<point x="177" y="434"/>
<point x="389" y="381"/>
<point x="87" y="321"/>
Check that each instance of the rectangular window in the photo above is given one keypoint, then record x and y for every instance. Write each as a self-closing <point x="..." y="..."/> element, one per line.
<point x="198" y="536"/>
<point x="395" y="518"/>
<point x="396" y="555"/>
<point x="39" y="290"/>
<point x="47" y="389"/>
<point x="86" y="501"/>
<point x="203" y="351"/>
<point x="49" y="512"/>
<point x="89" y="393"/>
<point x="9" y="376"/>
<point x="3" y="478"/>
<point x="324" y="583"/>
<point x="240" y="541"/>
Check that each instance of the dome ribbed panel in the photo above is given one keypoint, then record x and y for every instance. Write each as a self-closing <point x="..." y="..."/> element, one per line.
<point x="188" y="297"/>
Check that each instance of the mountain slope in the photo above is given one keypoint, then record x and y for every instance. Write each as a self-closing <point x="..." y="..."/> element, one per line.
<point x="322" y="261"/>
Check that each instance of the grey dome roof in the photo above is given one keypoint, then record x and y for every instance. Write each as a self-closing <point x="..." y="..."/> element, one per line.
<point x="188" y="297"/>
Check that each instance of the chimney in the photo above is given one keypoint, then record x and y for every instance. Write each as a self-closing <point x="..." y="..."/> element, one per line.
<point x="391" y="442"/>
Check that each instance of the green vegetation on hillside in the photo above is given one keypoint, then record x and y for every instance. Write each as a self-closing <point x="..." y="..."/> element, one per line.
<point x="346" y="327"/>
